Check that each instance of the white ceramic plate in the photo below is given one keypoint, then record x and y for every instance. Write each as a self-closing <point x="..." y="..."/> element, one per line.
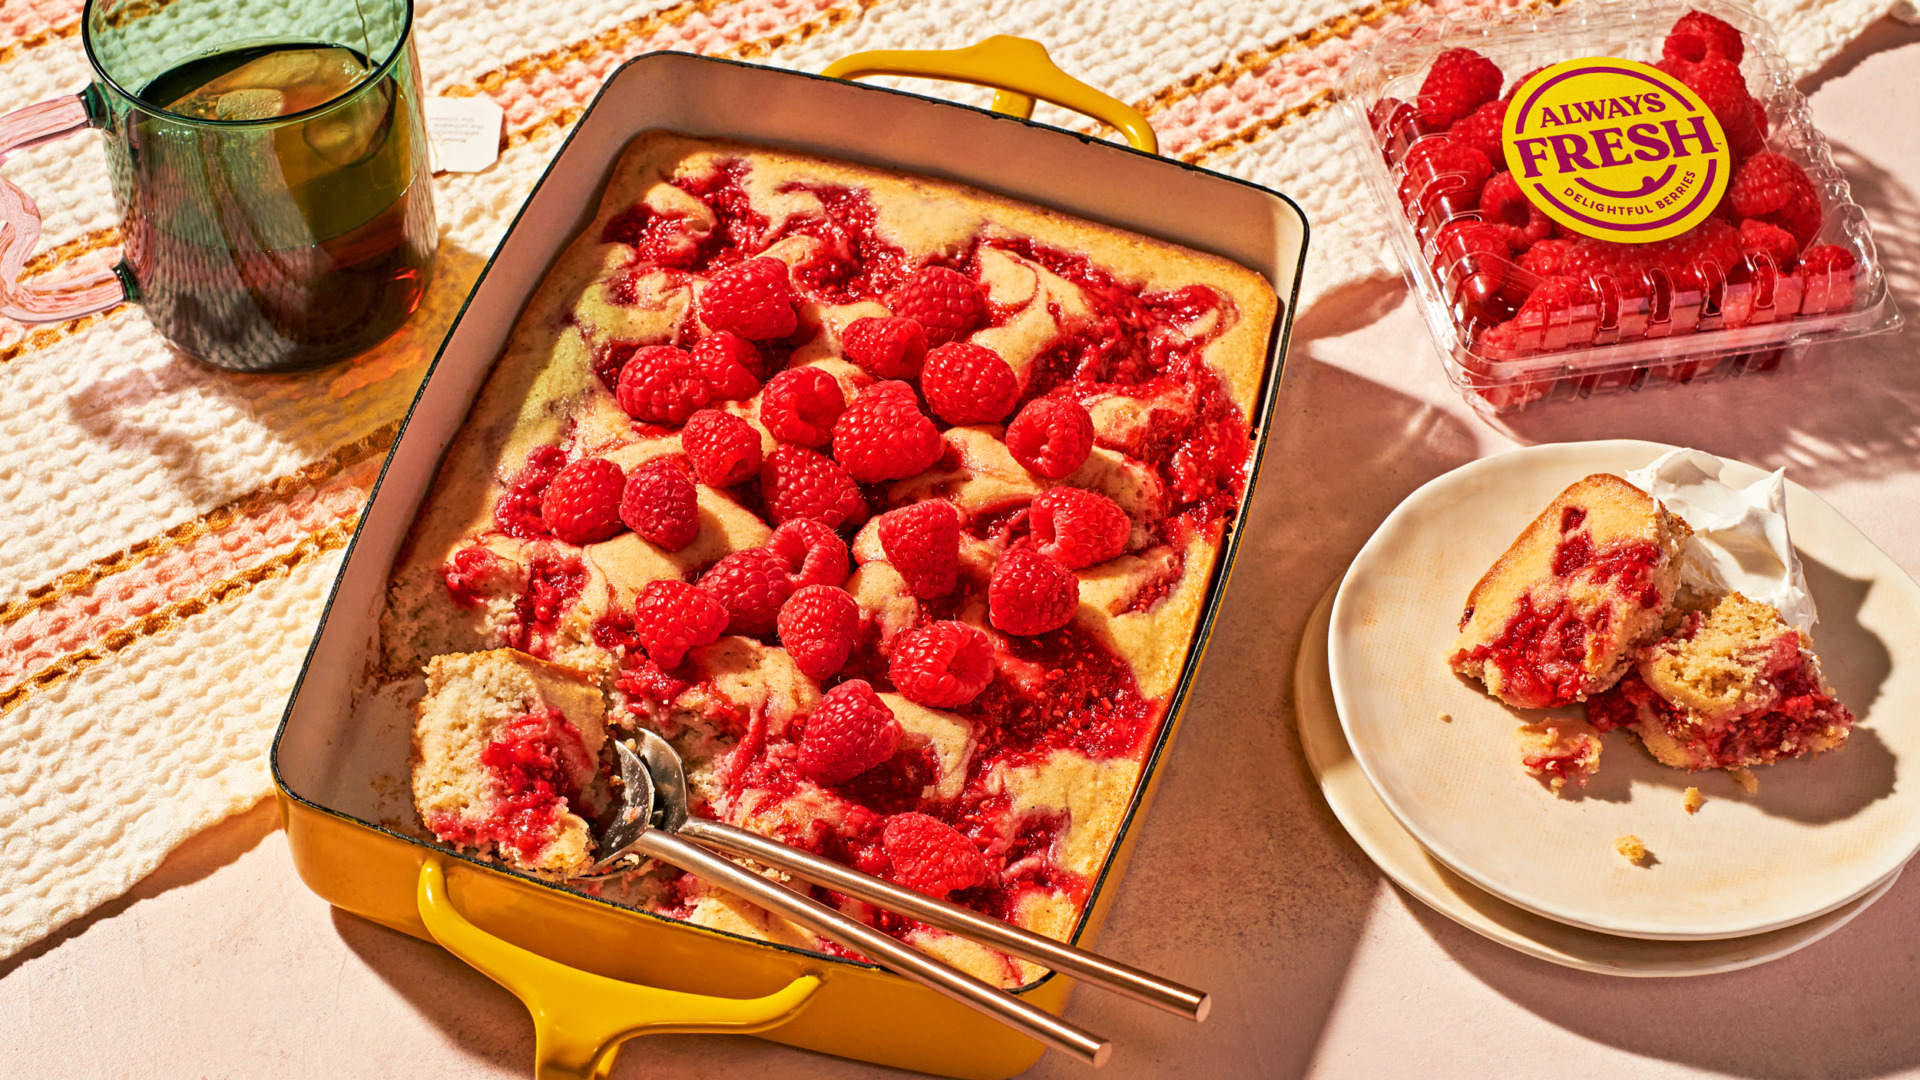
<point x="1401" y="857"/>
<point x="1820" y="834"/>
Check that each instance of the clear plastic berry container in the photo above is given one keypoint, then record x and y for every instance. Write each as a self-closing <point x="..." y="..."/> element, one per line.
<point x="1522" y="307"/>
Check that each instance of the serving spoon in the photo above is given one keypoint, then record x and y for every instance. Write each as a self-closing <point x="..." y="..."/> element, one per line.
<point x="650" y="820"/>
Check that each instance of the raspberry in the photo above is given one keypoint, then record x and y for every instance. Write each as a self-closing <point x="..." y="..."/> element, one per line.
<point x="1546" y="258"/>
<point x="582" y="504"/>
<point x="661" y="385"/>
<point x="661" y="504"/>
<point x="1460" y="81"/>
<point x="670" y="617"/>
<point x="941" y="665"/>
<point x="1504" y="205"/>
<point x="1697" y="36"/>
<point x="1828" y="259"/>
<point x="1772" y="189"/>
<point x="884" y="436"/>
<point x="850" y="731"/>
<point x="518" y="512"/>
<point x="1052" y="437"/>
<point x="753" y="299"/>
<point x="813" y="553"/>
<point x="1031" y="594"/>
<point x="891" y="348"/>
<point x="724" y="449"/>
<point x="1724" y="91"/>
<point x="727" y="362"/>
<point x="1077" y="528"/>
<point x="1698" y="258"/>
<point x="799" y="483"/>
<point x="1480" y="129"/>
<point x="817" y="625"/>
<point x="1442" y="177"/>
<point x="969" y="384"/>
<point x="751" y="584"/>
<point x="1826" y="273"/>
<point x="930" y="857"/>
<point x="1396" y="125"/>
<point x="800" y="405"/>
<point x="1775" y="244"/>
<point x="1471" y="259"/>
<point x="922" y="541"/>
<point x="946" y="303"/>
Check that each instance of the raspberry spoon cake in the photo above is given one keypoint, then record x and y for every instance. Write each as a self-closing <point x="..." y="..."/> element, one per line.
<point x="893" y="504"/>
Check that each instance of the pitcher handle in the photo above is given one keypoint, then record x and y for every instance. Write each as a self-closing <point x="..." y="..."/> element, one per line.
<point x="23" y="129"/>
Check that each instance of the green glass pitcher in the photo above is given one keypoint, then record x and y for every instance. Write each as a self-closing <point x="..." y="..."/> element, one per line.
<point x="271" y="169"/>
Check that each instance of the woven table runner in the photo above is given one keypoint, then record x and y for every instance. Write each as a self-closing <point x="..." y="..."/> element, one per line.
<point x="171" y="531"/>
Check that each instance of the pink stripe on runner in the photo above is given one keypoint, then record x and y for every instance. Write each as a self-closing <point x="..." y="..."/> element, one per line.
<point x="75" y="622"/>
<point x="24" y="18"/>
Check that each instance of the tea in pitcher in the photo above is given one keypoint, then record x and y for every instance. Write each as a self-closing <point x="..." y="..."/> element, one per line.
<point x="279" y="215"/>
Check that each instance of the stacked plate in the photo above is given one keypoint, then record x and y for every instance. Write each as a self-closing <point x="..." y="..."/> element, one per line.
<point x="1423" y="767"/>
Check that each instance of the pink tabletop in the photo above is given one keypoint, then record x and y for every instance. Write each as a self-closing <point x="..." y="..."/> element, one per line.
<point x="222" y="964"/>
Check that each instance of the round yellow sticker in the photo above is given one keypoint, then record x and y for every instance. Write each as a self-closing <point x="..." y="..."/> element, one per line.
<point x="1616" y="149"/>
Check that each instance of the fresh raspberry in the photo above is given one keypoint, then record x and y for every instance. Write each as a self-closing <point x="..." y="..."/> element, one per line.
<point x="752" y="584"/>
<point x="1547" y="258"/>
<point x="1077" y="528"/>
<point x="1559" y="313"/>
<point x="661" y="504"/>
<point x="1031" y="594"/>
<point x="1504" y="205"/>
<point x="799" y="406"/>
<point x="946" y="303"/>
<point x="942" y="665"/>
<point x="1470" y="258"/>
<point x="670" y="617"/>
<point x="724" y="449"/>
<point x="728" y="362"/>
<point x="517" y="513"/>
<point x="929" y="856"/>
<point x="817" y="625"/>
<point x="1442" y="178"/>
<point x="850" y="731"/>
<point x="1698" y="258"/>
<point x="813" y="553"/>
<point x="1396" y="125"/>
<point x="1460" y="81"/>
<point x="582" y="505"/>
<point x="1826" y="276"/>
<point x="1513" y="87"/>
<point x="662" y="385"/>
<point x="1480" y="129"/>
<point x="890" y="348"/>
<point x="1051" y="437"/>
<point x="1773" y="189"/>
<point x="884" y="436"/>
<point x="1759" y="239"/>
<point x="1697" y="36"/>
<point x="1828" y="259"/>
<point x="922" y="541"/>
<point x="969" y="384"/>
<point x="1724" y="91"/>
<point x="753" y="298"/>
<point x="799" y="483"/>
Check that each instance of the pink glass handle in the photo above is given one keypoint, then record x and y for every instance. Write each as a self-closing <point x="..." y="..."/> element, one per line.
<point x="20" y="130"/>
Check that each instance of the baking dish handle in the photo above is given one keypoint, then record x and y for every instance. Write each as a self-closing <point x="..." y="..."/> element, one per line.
<point x="579" y="1018"/>
<point x="1017" y="70"/>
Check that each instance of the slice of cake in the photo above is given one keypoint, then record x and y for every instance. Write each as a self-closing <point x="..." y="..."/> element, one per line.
<point x="1734" y="686"/>
<point x="506" y="753"/>
<point x="1556" y="617"/>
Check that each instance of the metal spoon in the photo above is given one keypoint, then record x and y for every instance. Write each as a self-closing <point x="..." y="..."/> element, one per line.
<point x="651" y="821"/>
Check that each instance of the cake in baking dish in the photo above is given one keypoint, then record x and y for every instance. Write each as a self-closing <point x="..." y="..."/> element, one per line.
<point x="893" y="504"/>
<point x="1734" y="686"/>
<point x="1555" y="619"/>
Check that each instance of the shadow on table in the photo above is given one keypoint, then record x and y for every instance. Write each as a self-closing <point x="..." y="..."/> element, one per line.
<point x="1842" y="1007"/>
<point x="150" y="409"/>
<point x="196" y="858"/>
<point x="1843" y="411"/>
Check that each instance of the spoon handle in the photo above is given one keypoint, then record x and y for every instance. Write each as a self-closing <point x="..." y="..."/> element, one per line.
<point x="888" y="953"/>
<point x="1120" y="978"/>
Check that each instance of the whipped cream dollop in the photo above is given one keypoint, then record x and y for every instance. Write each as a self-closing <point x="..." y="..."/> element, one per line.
<point x="1740" y="539"/>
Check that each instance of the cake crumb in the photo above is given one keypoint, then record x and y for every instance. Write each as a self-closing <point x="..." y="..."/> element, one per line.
<point x="1446" y="717"/>
<point x="1745" y="778"/>
<point x="1631" y="849"/>
<point x="1694" y="800"/>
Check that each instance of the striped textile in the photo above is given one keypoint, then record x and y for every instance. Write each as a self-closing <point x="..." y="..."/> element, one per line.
<point x="170" y="532"/>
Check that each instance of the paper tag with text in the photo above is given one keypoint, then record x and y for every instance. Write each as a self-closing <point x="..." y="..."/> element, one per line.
<point x="464" y="132"/>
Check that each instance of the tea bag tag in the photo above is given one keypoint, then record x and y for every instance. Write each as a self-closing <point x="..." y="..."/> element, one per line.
<point x="464" y="132"/>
